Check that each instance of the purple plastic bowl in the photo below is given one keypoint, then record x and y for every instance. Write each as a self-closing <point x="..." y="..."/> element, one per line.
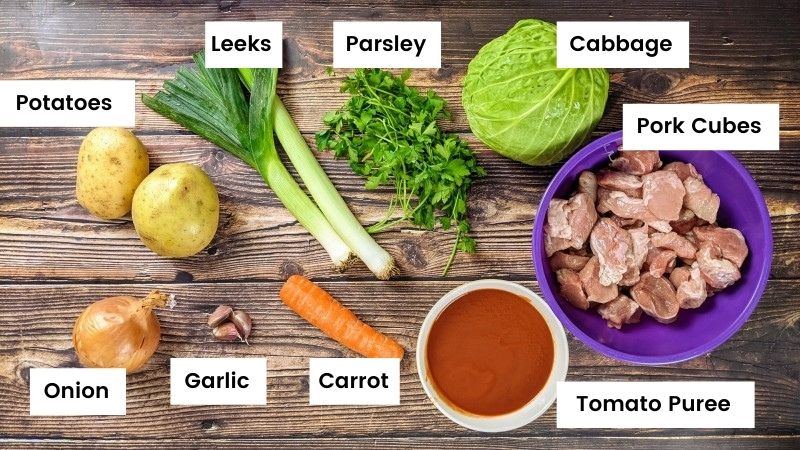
<point x="696" y="331"/>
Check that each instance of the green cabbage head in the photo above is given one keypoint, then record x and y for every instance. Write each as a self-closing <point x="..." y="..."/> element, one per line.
<point x="522" y="106"/>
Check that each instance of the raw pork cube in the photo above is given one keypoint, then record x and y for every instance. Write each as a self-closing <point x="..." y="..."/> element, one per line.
<point x="686" y="222"/>
<point x="641" y="245"/>
<point x="660" y="261"/>
<point x="587" y="184"/>
<point x="663" y="194"/>
<point x="682" y="246"/>
<point x="718" y="272"/>
<point x="683" y="170"/>
<point x="590" y="279"/>
<point x="631" y="185"/>
<point x="562" y="260"/>
<point x="620" y="311"/>
<point x="692" y="292"/>
<point x="637" y="162"/>
<point x="626" y="223"/>
<point x="679" y="275"/>
<point x="700" y="199"/>
<point x="730" y="241"/>
<point x="657" y="298"/>
<point x="571" y="288"/>
<point x="632" y="208"/>
<point x="582" y="217"/>
<point x="614" y="250"/>
<point x="603" y="200"/>
<point x="569" y="223"/>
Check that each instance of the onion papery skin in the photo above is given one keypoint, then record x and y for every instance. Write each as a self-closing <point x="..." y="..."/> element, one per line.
<point x="117" y="332"/>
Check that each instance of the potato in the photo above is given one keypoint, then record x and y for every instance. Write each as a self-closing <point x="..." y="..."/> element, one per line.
<point x="111" y="164"/>
<point x="176" y="210"/>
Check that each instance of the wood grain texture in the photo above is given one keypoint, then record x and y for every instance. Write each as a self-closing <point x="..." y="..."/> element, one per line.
<point x="55" y="258"/>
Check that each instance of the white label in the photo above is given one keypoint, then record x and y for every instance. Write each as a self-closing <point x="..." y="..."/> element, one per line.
<point x="255" y="45"/>
<point x="722" y="126"/>
<point x="77" y="392"/>
<point x="218" y="381"/>
<point x="354" y="381"/>
<point x="393" y="45"/>
<point x="689" y="404"/>
<point x="68" y="103"/>
<point x="622" y="44"/>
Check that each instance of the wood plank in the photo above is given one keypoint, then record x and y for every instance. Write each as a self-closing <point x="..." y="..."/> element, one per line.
<point x="39" y="336"/>
<point x="46" y="235"/>
<point x="472" y="442"/>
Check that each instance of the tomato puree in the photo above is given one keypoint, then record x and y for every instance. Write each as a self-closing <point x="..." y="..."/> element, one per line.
<point x="489" y="353"/>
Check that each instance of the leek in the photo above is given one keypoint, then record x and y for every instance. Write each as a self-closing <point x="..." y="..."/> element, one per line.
<point x="212" y="104"/>
<point x="319" y="185"/>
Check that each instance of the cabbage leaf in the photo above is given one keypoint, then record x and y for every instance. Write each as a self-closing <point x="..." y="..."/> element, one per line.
<point x="522" y="106"/>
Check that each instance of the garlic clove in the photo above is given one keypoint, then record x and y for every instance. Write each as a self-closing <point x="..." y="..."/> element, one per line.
<point x="243" y="323"/>
<point x="220" y="315"/>
<point x="226" y="332"/>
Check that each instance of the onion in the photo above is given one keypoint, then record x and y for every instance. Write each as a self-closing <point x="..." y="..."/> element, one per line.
<point x="119" y="332"/>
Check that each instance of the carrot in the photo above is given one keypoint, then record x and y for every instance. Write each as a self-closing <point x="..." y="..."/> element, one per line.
<point x="315" y="305"/>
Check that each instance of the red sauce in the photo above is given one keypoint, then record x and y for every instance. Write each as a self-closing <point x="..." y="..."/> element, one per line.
<point x="489" y="353"/>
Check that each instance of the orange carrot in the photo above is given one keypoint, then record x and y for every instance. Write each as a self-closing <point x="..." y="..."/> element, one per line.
<point x="315" y="305"/>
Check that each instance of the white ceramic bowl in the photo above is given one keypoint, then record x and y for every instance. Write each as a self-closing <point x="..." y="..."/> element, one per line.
<point x="534" y="408"/>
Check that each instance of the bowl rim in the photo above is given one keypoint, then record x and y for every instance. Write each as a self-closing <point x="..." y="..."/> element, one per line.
<point x="540" y="403"/>
<point x="539" y="265"/>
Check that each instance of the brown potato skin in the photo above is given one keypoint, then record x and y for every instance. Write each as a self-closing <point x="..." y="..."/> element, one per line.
<point x="111" y="164"/>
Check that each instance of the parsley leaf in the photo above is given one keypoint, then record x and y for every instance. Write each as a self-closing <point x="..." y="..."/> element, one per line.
<point x="389" y="133"/>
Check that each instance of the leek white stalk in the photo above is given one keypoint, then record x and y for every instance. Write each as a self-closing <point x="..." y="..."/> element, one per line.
<point x="265" y="156"/>
<point x="327" y="197"/>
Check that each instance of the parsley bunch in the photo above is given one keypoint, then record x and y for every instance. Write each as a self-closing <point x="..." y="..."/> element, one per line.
<point x="389" y="134"/>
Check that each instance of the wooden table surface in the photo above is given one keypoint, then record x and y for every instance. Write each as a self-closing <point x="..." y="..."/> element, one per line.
<point x="55" y="258"/>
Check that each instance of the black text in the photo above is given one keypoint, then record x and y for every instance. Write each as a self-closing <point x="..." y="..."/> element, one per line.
<point x="67" y="103"/>
<point x="328" y="380"/>
<point x="227" y="381"/>
<point x="651" y="47"/>
<point x="251" y="44"/>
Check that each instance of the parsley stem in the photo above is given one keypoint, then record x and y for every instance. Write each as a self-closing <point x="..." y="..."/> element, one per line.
<point x="452" y="257"/>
